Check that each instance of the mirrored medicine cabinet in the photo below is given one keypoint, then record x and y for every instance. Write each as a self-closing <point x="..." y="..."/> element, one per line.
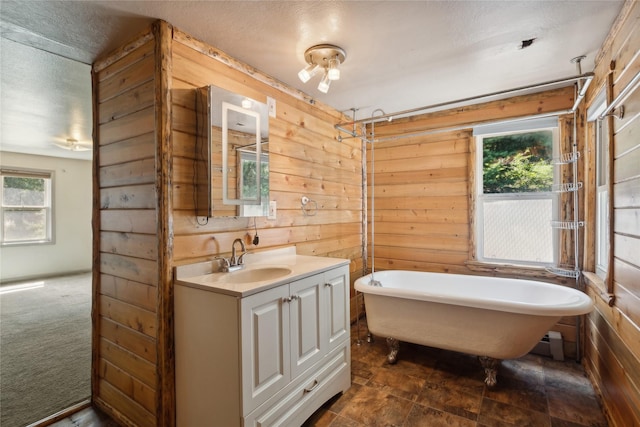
<point x="231" y="173"/>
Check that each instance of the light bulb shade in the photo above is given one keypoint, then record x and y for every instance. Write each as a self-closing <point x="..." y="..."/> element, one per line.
<point x="246" y="103"/>
<point x="334" y="71"/>
<point x="306" y="73"/>
<point x="324" y="83"/>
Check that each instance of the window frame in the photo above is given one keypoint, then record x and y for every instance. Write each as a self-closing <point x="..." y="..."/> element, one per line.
<point x="602" y="200"/>
<point x="598" y="278"/>
<point x="511" y="128"/>
<point x="47" y="207"/>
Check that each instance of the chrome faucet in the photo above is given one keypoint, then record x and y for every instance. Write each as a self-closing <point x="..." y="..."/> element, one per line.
<point x="237" y="262"/>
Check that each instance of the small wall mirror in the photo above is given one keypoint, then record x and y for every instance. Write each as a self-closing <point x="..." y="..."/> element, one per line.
<point x="232" y="155"/>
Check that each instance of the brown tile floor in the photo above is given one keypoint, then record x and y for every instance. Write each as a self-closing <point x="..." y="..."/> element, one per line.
<point x="432" y="387"/>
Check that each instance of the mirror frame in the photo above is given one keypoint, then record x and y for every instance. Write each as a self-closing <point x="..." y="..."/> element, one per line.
<point x="211" y="104"/>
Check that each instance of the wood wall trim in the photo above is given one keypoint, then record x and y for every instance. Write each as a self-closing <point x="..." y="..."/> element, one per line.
<point x="605" y="49"/>
<point x="95" y="226"/>
<point x="608" y="281"/>
<point x="552" y="101"/>
<point x="473" y="223"/>
<point x="165" y="402"/>
<point x="112" y="57"/>
<point x="612" y="53"/>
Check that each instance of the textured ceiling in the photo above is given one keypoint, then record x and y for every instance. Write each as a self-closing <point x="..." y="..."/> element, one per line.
<point x="400" y="54"/>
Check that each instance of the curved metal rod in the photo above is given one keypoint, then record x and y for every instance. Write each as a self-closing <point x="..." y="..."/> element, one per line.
<point x="622" y="96"/>
<point x="584" y="76"/>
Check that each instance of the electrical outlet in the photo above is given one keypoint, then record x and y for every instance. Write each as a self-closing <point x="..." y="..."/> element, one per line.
<point x="272" y="209"/>
<point x="271" y="105"/>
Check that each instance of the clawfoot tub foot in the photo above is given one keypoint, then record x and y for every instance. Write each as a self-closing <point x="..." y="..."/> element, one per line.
<point x="490" y="366"/>
<point x="394" y="346"/>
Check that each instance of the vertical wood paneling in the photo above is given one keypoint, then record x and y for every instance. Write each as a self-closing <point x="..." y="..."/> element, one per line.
<point x="126" y="248"/>
<point x="613" y="340"/>
<point x="165" y="398"/>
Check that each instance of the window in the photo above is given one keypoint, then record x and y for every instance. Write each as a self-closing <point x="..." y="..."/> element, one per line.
<point x="247" y="183"/>
<point x="598" y="106"/>
<point x="26" y="207"/>
<point x="515" y="202"/>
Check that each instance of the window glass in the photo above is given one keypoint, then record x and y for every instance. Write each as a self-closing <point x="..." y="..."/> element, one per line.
<point x="26" y="208"/>
<point x="248" y="188"/>
<point x="515" y="203"/>
<point x="517" y="163"/>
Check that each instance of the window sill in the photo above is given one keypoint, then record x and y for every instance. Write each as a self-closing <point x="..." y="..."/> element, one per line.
<point x="511" y="269"/>
<point x="516" y="270"/>
<point x="596" y="283"/>
<point x="27" y="243"/>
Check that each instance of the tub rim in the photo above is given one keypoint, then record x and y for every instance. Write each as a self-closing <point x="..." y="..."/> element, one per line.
<point x="576" y="302"/>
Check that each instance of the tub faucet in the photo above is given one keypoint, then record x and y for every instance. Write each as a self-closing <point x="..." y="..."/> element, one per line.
<point x="233" y="261"/>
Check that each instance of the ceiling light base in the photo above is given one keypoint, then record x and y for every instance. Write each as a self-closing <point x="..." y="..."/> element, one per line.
<point x="72" y="144"/>
<point x="321" y="54"/>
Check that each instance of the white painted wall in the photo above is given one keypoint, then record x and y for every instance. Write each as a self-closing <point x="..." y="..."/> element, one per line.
<point x="72" y="202"/>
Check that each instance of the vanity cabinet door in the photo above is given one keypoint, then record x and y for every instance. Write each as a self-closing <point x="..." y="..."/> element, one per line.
<point x="337" y="306"/>
<point x="308" y="325"/>
<point x="265" y="345"/>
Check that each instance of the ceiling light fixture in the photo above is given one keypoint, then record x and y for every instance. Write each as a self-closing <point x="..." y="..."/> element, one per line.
<point x="72" y="144"/>
<point x="325" y="57"/>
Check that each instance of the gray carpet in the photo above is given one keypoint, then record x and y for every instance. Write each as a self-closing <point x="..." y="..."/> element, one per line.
<point x="45" y="348"/>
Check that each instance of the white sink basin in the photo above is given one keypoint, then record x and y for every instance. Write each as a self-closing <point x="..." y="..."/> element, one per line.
<point x="256" y="274"/>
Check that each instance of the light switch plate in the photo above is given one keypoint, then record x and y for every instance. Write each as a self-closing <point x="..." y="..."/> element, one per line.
<point x="272" y="209"/>
<point x="271" y="105"/>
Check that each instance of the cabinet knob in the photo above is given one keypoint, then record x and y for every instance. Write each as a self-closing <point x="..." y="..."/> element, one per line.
<point x="289" y="299"/>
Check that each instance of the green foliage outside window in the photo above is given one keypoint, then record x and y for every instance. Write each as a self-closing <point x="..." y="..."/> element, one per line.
<point x="23" y="191"/>
<point x="518" y="163"/>
<point x="35" y="184"/>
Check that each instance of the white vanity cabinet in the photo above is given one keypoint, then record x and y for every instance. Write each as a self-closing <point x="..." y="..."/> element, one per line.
<point x="269" y="358"/>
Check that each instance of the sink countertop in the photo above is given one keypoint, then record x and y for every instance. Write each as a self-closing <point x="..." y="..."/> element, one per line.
<point x="200" y="275"/>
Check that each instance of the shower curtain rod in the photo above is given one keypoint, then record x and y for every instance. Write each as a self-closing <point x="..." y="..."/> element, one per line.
<point x="385" y="117"/>
<point x="469" y="125"/>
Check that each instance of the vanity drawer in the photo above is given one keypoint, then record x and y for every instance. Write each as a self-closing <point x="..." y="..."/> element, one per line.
<point x="307" y="394"/>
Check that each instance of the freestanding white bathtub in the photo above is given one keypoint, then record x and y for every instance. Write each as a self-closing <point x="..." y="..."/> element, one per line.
<point x="493" y="318"/>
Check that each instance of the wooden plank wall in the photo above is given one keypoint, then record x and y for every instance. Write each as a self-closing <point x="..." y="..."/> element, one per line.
<point x="612" y="355"/>
<point x="126" y="274"/>
<point x="421" y="203"/>
<point x="144" y="219"/>
<point x="423" y="199"/>
<point x="423" y="212"/>
<point x="305" y="159"/>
